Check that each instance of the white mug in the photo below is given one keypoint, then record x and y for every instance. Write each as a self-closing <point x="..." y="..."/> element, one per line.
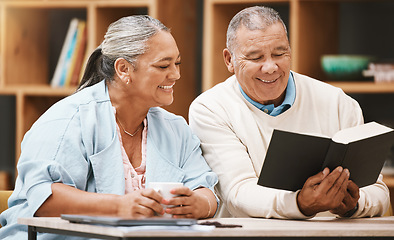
<point x="164" y="189"/>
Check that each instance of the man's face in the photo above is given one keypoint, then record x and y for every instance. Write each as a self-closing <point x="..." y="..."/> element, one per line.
<point x="261" y="62"/>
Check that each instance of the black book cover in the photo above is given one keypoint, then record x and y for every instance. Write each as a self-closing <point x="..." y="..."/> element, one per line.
<point x="292" y="158"/>
<point x="364" y="158"/>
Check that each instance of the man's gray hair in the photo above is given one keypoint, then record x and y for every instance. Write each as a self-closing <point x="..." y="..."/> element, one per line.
<point x="253" y="18"/>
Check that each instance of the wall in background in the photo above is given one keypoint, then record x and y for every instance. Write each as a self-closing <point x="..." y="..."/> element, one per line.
<point x="371" y="20"/>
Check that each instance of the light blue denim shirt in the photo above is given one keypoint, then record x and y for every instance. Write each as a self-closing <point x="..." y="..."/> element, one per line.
<point x="75" y="142"/>
<point x="271" y="109"/>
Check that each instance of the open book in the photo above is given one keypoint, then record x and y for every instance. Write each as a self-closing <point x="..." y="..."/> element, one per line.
<point x="292" y="157"/>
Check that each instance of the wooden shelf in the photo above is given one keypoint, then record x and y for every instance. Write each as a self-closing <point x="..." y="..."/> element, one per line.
<point x="314" y="30"/>
<point x="36" y="90"/>
<point x="389" y="180"/>
<point x="364" y="87"/>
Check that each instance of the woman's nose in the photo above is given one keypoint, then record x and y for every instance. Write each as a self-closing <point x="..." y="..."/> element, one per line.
<point x="175" y="72"/>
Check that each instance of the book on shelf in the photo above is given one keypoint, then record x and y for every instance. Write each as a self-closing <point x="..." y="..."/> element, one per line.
<point x="55" y="82"/>
<point x="73" y="61"/>
<point x="293" y="157"/>
<point x="68" y="61"/>
<point x="380" y="71"/>
<point x="78" y="56"/>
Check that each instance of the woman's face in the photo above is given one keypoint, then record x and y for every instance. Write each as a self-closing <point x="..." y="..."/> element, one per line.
<point x="156" y="71"/>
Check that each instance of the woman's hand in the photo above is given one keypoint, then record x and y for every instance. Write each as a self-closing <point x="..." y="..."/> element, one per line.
<point x="140" y="203"/>
<point x="200" y="203"/>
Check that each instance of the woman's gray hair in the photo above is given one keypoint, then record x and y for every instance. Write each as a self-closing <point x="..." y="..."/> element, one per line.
<point x="126" y="38"/>
<point x="253" y="18"/>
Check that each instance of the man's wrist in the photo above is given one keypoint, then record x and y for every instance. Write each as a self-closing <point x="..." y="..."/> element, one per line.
<point x="351" y="212"/>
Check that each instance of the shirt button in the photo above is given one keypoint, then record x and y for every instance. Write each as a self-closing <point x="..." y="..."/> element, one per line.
<point x="266" y="110"/>
<point x="132" y="176"/>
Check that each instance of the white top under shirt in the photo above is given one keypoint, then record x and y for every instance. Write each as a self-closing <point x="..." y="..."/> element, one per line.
<point x="134" y="177"/>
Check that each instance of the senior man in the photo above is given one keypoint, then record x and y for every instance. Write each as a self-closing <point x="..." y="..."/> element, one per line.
<point x="235" y="120"/>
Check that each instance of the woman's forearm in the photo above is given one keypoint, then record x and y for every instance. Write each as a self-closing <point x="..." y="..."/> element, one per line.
<point x="69" y="200"/>
<point x="211" y="201"/>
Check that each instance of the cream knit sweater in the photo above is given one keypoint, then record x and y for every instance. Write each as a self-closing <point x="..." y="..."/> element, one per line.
<point x="235" y="135"/>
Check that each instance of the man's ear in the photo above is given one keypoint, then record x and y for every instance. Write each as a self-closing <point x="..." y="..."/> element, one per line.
<point x="228" y="60"/>
<point x="123" y="69"/>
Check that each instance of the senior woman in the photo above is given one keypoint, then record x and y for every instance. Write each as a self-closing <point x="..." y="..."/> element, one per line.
<point x="94" y="151"/>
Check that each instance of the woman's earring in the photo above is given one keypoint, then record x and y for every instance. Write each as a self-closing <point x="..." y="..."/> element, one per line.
<point x="128" y="81"/>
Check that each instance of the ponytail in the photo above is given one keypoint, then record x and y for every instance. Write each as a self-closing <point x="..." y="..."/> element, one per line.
<point x="98" y="68"/>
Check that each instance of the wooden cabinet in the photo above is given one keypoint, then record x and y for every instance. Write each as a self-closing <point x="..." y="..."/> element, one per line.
<point x="315" y="28"/>
<point x="33" y="31"/>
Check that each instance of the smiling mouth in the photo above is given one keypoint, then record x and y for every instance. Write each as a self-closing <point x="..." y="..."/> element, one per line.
<point x="267" y="81"/>
<point x="167" y="87"/>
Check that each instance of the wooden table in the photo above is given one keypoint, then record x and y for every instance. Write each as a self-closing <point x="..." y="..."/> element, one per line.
<point x="323" y="228"/>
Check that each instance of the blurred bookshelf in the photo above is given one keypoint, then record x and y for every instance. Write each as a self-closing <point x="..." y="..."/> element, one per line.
<point x="32" y="35"/>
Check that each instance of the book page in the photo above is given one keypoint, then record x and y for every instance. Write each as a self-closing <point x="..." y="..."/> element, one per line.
<point x="359" y="132"/>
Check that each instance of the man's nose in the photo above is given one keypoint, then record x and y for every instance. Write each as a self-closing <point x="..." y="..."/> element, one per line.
<point x="269" y="66"/>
